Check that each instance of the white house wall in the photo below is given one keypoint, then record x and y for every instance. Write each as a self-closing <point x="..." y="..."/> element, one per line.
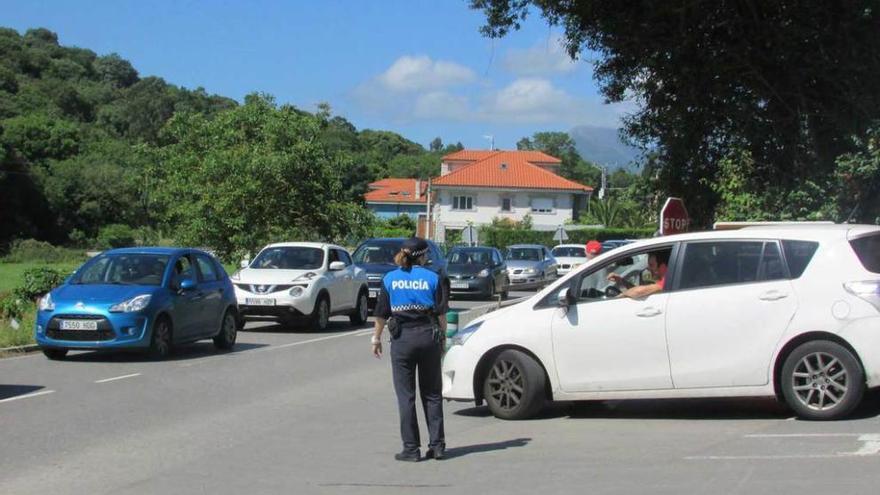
<point x="487" y="206"/>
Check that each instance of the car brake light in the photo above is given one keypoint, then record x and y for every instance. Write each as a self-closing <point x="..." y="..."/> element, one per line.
<point x="869" y="290"/>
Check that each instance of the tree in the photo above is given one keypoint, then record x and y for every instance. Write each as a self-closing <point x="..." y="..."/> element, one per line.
<point x="436" y="144"/>
<point x="115" y="71"/>
<point x="251" y="175"/>
<point x="789" y="82"/>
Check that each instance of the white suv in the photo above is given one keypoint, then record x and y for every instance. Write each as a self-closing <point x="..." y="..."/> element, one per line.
<point x="785" y="311"/>
<point x="302" y="282"/>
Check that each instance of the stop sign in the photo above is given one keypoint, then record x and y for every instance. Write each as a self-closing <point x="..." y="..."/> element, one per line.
<point x="674" y="218"/>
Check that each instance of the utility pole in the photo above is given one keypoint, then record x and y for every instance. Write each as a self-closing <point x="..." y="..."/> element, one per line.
<point x="491" y="139"/>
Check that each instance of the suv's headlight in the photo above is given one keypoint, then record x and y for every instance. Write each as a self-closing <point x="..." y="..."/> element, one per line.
<point x="483" y="273"/>
<point x="136" y="303"/>
<point x="462" y="335"/>
<point x="297" y="290"/>
<point x="46" y="303"/>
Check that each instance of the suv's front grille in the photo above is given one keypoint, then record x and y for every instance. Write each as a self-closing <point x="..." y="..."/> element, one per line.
<point x="263" y="288"/>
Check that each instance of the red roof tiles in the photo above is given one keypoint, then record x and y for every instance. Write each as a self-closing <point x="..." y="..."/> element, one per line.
<point x="507" y="169"/>
<point x="396" y="191"/>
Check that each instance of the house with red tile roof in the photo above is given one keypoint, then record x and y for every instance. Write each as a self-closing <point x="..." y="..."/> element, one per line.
<point x="391" y="197"/>
<point x="476" y="186"/>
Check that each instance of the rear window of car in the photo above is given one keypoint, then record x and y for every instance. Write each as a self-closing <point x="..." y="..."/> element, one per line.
<point x="798" y="255"/>
<point x="868" y="250"/>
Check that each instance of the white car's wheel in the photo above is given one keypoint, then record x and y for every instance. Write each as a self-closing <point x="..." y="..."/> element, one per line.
<point x="822" y="380"/>
<point x="514" y="387"/>
<point x="321" y="314"/>
<point x="359" y="316"/>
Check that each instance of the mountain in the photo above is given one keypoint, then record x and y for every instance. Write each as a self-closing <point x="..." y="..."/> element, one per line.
<point x="602" y="145"/>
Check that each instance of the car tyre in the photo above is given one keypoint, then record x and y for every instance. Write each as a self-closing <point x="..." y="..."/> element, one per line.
<point x="161" y="338"/>
<point x="514" y="386"/>
<point x="361" y="310"/>
<point x="55" y="354"/>
<point x="320" y="317"/>
<point x="506" y="292"/>
<point x="822" y="380"/>
<point x="225" y="338"/>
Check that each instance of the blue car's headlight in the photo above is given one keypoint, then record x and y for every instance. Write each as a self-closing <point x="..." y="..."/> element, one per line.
<point x="483" y="273"/>
<point x="46" y="303"/>
<point x="136" y="303"/>
<point x="462" y="335"/>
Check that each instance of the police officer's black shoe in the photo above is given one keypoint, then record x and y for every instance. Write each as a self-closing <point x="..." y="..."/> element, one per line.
<point x="408" y="456"/>
<point x="435" y="453"/>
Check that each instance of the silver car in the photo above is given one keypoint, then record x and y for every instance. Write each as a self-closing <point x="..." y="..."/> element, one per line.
<point x="530" y="265"/>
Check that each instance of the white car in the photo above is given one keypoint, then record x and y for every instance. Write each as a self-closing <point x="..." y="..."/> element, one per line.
<point x="302" y="282"/>
<point x="569" y="257"/>
<point x="787" y="311"/>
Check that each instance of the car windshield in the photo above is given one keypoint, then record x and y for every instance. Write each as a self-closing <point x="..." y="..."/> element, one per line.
<point x="289" y="258"/>
<point x="470" y="257"/>
<point x="122" y="269"/>
<point x="524" y="254"/>
<point x="377" y="252"/>
<point x="569" y="252"/>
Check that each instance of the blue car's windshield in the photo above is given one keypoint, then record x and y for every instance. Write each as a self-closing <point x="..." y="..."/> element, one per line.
<point x="470" y="257"/>
<point x="123" y="269"/>
<point x="524" y="254"/>
<point x="377" y="252"/>
<point x="289" y="258"/>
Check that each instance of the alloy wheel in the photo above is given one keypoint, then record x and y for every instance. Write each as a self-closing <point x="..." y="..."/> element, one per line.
<point x="820" y="381"/>
<point x="363" y="307"/>
<point x="323" y="314"/>
<point x="506" y="384"/>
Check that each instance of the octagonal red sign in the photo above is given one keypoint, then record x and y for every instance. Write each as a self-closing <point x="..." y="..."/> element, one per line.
<point x="674" y="218"/>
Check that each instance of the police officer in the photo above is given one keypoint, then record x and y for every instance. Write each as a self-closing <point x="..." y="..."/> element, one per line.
<point x="413" y="303"/>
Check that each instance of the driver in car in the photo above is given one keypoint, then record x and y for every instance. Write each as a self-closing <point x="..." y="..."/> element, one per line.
<point x="657" y="265"/>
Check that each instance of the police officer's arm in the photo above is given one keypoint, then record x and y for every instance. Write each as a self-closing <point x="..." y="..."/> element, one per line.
<point x="441" y="306"/>
<point x="382" y="312"/>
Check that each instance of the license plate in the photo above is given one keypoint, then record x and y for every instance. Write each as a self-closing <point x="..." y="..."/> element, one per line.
<point x="79" y="325"/>
<point x="259" y="302"/>
<point x="374" y="293"/>
<point x="459" y="285"/>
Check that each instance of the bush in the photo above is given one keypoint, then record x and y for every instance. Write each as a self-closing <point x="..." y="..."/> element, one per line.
<point x="34" y="251"/>
<point x="12" y="306"/>
<point x="116" y="236"/>
<point x="37" y="282"/>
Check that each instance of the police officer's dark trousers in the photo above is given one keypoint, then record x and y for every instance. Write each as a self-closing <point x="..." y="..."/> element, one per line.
<point x="416" y="352"/>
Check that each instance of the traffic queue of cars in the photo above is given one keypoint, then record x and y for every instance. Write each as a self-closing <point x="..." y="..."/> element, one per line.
<point x="151" y="299"/>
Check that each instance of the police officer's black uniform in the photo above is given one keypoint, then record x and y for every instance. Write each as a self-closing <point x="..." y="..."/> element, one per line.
<point x="415" y="298"/>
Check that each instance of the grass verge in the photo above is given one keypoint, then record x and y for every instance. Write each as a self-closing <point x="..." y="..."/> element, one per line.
<point x="23" y="335"/>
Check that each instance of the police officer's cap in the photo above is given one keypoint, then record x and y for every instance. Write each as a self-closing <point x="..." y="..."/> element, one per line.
<point x="415" y="247"/>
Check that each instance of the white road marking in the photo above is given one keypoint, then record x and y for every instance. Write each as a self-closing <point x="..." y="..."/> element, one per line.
<point x="105" y="380"/>
<point x="804" y="435"/>
<point x="870" y="447"/>
<point x="27" y="396"/>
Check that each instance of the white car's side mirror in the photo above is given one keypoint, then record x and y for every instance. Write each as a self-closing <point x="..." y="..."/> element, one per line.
<point x="566" y="297"/>
<point x="336" y="266"/>
<point x="244" y="263"/>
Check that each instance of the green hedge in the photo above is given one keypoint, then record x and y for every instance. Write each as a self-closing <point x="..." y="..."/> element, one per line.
<point x="33" y="251"/>
<point x="501" y="238"/>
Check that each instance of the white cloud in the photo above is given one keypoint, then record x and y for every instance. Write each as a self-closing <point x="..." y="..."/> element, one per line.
<point x="411" y="73"/>
<point x="442" y="105"/>
<point x="545" y="58"/>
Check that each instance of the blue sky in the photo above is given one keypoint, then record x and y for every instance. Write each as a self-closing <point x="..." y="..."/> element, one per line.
<point x="416" y="67"/>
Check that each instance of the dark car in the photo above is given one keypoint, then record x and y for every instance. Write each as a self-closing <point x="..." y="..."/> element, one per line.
<point x="477" y="271"/>
<point x="376" y="257"/>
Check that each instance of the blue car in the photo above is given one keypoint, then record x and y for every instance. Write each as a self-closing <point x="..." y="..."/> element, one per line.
<point x="139" y="298"/>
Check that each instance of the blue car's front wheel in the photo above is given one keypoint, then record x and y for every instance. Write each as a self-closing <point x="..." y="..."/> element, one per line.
<point x="225" y="339"/>
<point x="160" y="341"/>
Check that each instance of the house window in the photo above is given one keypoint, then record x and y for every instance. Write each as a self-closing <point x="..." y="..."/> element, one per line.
<point x="462" y="203"/>
<point x="542" y="205"/>
<point x="506" y="205"/>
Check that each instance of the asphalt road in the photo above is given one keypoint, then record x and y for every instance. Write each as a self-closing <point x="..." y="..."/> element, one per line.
<point x="291" y="412"/>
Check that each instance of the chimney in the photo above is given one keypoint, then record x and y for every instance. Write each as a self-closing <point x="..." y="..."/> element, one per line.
<point x="418" y="188"/>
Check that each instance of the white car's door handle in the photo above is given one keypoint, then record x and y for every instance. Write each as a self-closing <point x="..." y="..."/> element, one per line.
<point x="648" y="312"/>
<point x="772" y="295"/>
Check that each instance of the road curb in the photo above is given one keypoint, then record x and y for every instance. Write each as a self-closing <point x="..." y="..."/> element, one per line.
<point x="20" y="348"/>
